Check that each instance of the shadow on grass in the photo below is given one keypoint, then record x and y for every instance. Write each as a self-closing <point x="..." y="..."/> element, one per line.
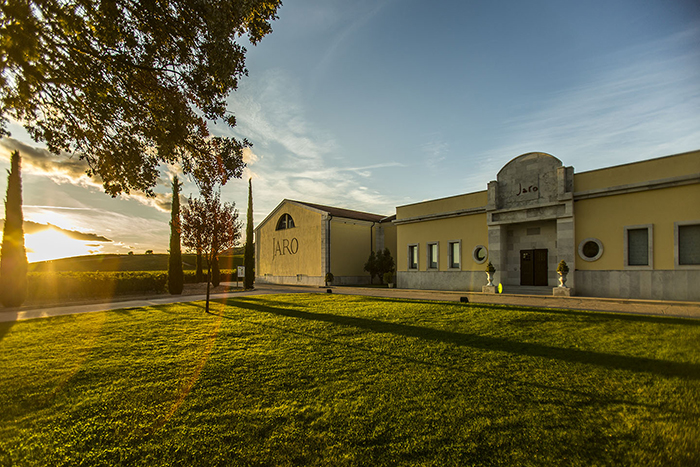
<point x="620" y="362"/>
<point x="590" y="398"/>
<point x="602" y="315"/>
<point x="5" y="328"/>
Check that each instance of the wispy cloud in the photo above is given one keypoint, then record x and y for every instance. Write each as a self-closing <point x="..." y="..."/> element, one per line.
<point x="65" y="168"/>
<point x="292" y="158"/>
<point x="363" y="13"/>
<point x="644" y="104"/>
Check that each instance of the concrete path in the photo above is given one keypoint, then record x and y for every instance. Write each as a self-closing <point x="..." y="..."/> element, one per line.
<point x="646" y="307"/>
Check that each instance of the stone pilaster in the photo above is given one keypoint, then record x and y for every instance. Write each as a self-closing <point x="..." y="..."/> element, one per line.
<point x="497" y="234"/>
<point x="566" y="248"/>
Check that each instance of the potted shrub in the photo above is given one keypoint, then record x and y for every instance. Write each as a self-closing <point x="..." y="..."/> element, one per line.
<point x="389" y="279"/>
<point x="562" y="270"/>
<point x="490" y="270"/>
<point x="329" y="278"/>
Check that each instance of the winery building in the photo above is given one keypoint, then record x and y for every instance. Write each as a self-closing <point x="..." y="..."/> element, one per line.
<point x="629" y="231"/>
<point x="299" y="243"/>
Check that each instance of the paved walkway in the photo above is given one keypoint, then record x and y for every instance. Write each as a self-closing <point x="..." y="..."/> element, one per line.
<point x="646" y="307"/>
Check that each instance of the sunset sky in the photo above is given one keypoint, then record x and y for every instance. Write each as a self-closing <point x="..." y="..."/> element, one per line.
<point x="373" y="104"/>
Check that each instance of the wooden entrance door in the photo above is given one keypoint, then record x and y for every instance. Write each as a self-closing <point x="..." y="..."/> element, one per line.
<point x="533" y="267"/>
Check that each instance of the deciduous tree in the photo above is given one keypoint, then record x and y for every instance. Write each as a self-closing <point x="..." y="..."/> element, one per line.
<point x="129" y="84"/>
<point x="176" y="276"/>
<point x="13" y="263"/>
<point x="211" y="224"/>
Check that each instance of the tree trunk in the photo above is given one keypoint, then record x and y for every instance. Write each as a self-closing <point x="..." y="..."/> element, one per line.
<point x="208" y="283"/>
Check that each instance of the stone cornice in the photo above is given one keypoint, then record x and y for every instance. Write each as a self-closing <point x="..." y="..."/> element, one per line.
<point x="441" y="215"/>
<point x="637" y="187"/>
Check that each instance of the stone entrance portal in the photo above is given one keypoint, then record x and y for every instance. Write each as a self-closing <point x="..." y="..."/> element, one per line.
<point x="530" y="217"/>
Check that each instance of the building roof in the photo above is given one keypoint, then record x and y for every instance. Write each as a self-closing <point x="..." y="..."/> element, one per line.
<point x="347" y="213"/>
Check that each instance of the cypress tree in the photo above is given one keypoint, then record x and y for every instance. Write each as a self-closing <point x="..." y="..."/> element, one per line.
<point x="13" y="263"/>
<point x="215" y="272"/>
<point x="248" y="255"/>
<point x="176" y="277"/>
<point x="199" y="274"/>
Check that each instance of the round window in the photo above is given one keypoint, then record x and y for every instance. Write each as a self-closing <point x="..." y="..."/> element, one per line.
<point x="590" y="249"/>
<point x="480" y="254"/>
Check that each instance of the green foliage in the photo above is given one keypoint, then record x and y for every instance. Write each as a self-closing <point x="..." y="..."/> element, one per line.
<point x="13" y="263"/>
<point x="249" y="254"/>
<point x="490" y="268"/>
<point x="327" y="379"/>
<point x="371" y="266"/>
<point x="88" y="285"/>
<point x="112" y="262"/>
<point x="388" y="277"/>
<point x="379" y="264"/>
<point x="329" y="278"/>
<point x="175" y="272"/>
<point x="385" y="263"/>
<point x="562" y="267"/>
<point x="129" y="85"/>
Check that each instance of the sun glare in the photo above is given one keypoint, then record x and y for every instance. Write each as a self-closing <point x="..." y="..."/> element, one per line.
<point x="51" y="244"/>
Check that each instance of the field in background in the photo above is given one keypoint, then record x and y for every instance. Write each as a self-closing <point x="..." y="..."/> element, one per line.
<point x="155" y="262"/>
<point x="349" y="381"/>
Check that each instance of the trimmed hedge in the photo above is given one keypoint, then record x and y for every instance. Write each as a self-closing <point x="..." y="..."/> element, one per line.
<point x="71" y="285"/>
<point x="227" y="275"/>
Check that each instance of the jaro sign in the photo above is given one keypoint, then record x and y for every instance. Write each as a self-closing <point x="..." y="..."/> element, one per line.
<point x="284" y="247"/>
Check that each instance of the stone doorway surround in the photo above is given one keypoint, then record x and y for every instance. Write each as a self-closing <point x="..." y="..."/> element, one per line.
<point x="533" y="191"/>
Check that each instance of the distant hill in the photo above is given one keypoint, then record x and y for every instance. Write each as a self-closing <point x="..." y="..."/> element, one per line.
<point x="155" y="262"/>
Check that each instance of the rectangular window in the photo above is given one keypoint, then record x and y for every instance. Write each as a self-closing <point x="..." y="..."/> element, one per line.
<point x="639" y="246"/>
<point x="454" y="253"/>
<point x="412" y="256"/>
<point x="688" y="244"/>
<point x="432" y="255"/>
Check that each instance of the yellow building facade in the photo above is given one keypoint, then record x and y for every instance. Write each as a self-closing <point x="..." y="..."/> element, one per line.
<point x="630" y="231"/>
<point x="299" y="243"/>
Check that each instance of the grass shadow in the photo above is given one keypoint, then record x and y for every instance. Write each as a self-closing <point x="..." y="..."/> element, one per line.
<point x="619" y="362"/>
<point x="590" y="398"/>
<point x="603" y="315"/>
<point x="5" y="328"/>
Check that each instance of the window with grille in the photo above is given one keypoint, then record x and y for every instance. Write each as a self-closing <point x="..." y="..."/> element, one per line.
<point x="639" y="246"/>
<point x="688" y="245"/>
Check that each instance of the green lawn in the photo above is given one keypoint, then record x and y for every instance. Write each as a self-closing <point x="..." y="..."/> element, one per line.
<point x="336" y="380"/>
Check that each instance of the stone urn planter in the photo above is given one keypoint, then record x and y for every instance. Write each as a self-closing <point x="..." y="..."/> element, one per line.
<point x="562" y="270"/>
<point x="490" y="271"/>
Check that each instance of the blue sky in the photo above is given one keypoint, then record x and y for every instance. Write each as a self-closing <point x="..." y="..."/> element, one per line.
<point x="373" y="104"/>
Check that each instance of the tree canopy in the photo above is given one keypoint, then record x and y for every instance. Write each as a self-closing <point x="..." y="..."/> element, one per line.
<point x="129" y="84"/>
